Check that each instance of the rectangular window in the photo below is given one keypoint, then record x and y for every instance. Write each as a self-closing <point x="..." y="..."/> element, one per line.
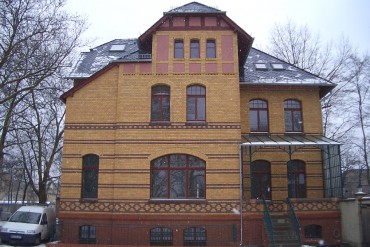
<point x="179" y="48"/>
<point x="90" y="174"/>
<point x="211" y="48"/>
<point x="194" y="49"/>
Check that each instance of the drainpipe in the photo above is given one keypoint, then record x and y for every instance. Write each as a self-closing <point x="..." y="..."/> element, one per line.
<point x="241" y="193"/>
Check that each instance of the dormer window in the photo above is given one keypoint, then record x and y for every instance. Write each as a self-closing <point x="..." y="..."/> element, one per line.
<point x="277" y="66"/>
<point x="117" y="48"/>
<point x="260" y="66"/>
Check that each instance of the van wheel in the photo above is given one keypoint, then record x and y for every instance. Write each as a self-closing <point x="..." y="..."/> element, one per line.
<point x="38" y="240"/>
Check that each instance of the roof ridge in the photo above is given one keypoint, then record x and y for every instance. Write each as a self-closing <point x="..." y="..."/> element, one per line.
<point x="183" y="7"/>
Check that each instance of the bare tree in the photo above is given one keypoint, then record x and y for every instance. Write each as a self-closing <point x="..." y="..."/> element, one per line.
<point x="346" y="107"/>
<point x="357" y="91"/>
<point x="36" y="38"/>
<point x="297" y="45"/>
<point x="39" y="136"/>
<point x="36" y="41"/>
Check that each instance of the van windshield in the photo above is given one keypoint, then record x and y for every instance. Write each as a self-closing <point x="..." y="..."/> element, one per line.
<point x="25" y="217"/>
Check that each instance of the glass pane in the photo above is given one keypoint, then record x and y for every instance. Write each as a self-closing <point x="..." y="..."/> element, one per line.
<point x="159" y="184"/>
<point x="84" y="231"/>
<point x="194" y="49"/>
<point x="297" y="121"/>
<point x="161" y="90"/>
<point x="201" y="109"/>
<point x="160" y="162"/>
<point x="211" y="49"/>
<point x="200" y="234"/>
<point x="178" y="184"/>
<point x="196" y="184"/>
<point x="190" y="111"/>
<point x="195" y="162"/>
<point x="165" y="109"/>
<point x="178" y="160"/>
<point x="288" y="121"/>
<point x="179" y="49"/>
<point x="155" y="108"/>
<point x="90" y="183"/>
<point x="253" y="120"/>
<point x="189" y="234"/>
<point x="92" y="232"/>
<point x="263" y="121"/>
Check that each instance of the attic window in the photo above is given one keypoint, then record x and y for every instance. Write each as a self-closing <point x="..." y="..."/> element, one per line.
<point x="260" y="66"/>
<point x="117" y="48"/>
<point x="277" y="66"/>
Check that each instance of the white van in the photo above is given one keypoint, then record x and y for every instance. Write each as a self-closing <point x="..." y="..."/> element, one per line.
<point x="29" y="225"/>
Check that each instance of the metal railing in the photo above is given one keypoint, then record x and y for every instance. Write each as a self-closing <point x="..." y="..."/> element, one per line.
<point x="268" y="223"/>
<point x="293" y="218"/>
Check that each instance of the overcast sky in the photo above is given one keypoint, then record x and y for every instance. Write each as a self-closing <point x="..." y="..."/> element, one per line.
<point x="331" y="19"/>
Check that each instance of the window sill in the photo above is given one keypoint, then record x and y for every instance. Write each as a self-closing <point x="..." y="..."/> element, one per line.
<point x="89" y="200"/>
<point x="186" y="201"/>
<point x="294" y="133"/>
<point x="259" y="133"/>
<point x="156" y="123"/>
<point x="196" y="123"/>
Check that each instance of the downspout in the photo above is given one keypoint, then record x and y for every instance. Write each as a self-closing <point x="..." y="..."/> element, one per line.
<point x="241" y="193"/>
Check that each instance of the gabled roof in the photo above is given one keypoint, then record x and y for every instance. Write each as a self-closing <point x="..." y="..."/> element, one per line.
<point x="194" y="7"/>
<point x="245" y="41"/>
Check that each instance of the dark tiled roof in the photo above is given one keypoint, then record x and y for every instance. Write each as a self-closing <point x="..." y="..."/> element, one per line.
<point x="281" y="73"/>
<point x="99" y="57"/>
<point x="194" y="7"/>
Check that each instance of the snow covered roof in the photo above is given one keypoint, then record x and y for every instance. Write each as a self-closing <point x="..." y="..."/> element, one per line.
<point x="264" y="69"/>
<point x="259" y="69"/>
<point x="194" y="7"/>
<point x="97" y="58"/>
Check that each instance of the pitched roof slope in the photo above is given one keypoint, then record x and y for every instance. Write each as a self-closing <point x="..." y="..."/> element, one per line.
<point x="194" y="7"/>
<point x="97" y="58"/>
<point x="262" y="69"/>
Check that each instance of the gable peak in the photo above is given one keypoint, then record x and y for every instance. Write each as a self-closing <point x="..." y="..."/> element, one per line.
<point x="194" y="7"/>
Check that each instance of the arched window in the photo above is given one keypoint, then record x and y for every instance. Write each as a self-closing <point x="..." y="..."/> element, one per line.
<point x="161" y="236"/>
<point x="195" y="236"/>
<point x="293" y="116"/>
<point x="87" y="234"/>
<point x="296" y="179"/>
<point x="178" y="176"/>
<point x="196" y="103"/>
<point x="313" y="231"/>
<point x="261" y="179"/>
<point x="90" y="174"/>
<point x="194" y="48"/>
<point x="160" y="103"/>
<point x="258" y="111"/>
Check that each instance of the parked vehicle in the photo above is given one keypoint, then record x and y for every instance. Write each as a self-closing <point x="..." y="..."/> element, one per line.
<point x="29" y="225"/>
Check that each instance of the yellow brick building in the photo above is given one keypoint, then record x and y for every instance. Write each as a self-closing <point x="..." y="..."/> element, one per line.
<point x="180" y="137"/>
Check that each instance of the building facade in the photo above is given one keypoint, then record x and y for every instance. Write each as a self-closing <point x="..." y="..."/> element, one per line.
<point x="189" y="136"/>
